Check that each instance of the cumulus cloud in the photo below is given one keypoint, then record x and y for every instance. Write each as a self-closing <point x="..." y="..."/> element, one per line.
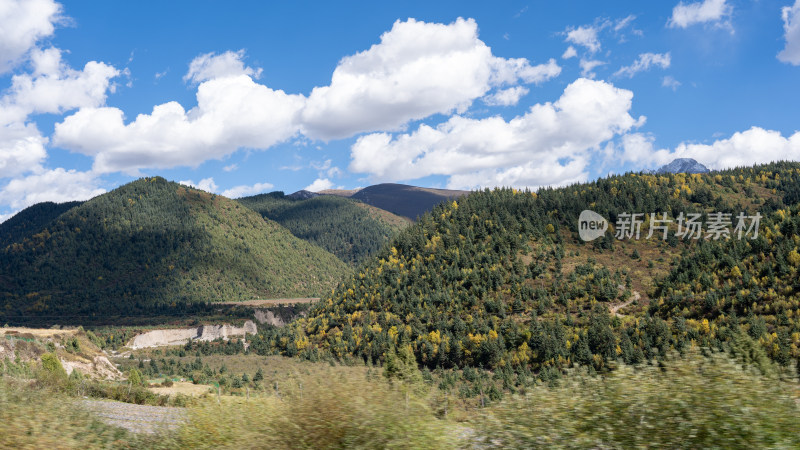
<point x="211" y="65"/>
<point x="685" y="15"/>
<point x="791" y="27"/>
<point x="54" y="87"/>
<point x="244" y="190"/>
<point x="745" y="148"/>
<point x="206" y="184"/>
<point x="22" y="149"/>
<point x="550" y="144"/>
<point x="232" y="112"/>
<point x="753" y="146"/>
<point x="418" y="69"/>
<point x="644" y="62"/>
<point x="320" y="184"/>
<point x="51" y="87"/>
<point x="570" y="52"/>
<point x="22" y="24"/>
<point x="506" y="97"/>
<point x="57" y="185"/>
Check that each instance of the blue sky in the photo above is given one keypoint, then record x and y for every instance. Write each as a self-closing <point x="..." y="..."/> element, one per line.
<point x="248" y="97"/>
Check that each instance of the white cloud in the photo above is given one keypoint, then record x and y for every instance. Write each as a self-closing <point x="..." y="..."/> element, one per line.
<point x="22" y="149"/>
<point x="230" y="167"/>
<point x="506" y="97"/>
<point x="644" y="62"/>
<point x="588" y="66"/>
<point x="210" y="66"/>
<point x="550" y="144"/>
<point x="744" y="148"/>
<point x="244" y="190"/>
<point x="232" y="112"/>
<point x="418" y="69"/>
<point x="570" y="52"/>
<point x="707" y="11"/>
<point x="670" y="82"/>
<point x="206" y="184"/>
<point x="624" y="23"/>
<point x="54" y="87"/>
<point x="22" y="24"/>
<point x="4" y="217"/>
<point x="511" y="71"/>
<point x="639" y="148"/>
<point x="51" y="87"/>
<point x="57" y="185"/>
<point x="585" y="36"/>
<point x="320" y="184"/>
<point x="791" y="27"/>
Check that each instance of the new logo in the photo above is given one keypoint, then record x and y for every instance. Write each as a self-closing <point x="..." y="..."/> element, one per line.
<point x="591" y="225"/>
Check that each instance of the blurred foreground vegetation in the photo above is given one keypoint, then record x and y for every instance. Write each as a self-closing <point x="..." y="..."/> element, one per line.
<point x="698" y="400"/>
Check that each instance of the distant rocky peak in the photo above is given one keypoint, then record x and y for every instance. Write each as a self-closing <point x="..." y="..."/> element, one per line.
<point x="683" y="165"/>
<point x="302" y="195"/>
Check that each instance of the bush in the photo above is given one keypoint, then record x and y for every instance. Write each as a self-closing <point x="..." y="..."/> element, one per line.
<point x="52" y="373"/>
<point x="135" y="377"/>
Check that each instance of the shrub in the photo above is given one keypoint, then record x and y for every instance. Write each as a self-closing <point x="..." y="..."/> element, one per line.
<point x="52" y="373"/>
<point x="135" y="377"/>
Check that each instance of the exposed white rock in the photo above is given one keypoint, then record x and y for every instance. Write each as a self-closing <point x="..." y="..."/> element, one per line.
<point x="180" y="336"/>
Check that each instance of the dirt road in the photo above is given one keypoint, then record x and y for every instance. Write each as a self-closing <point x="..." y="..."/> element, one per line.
<point x="136" y="418"/>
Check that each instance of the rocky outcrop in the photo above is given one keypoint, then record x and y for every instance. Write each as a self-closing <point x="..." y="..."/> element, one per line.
<point x="180" y="336"/>
<point x="100" y="368"/>
<point x="268" y="317"/>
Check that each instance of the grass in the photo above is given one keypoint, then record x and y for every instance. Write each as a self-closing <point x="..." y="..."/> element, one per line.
<point x="692" y="402"/>
<point x="36" y="418"/>
<point x="326" y="410"/>
<point x="695" y="401"/>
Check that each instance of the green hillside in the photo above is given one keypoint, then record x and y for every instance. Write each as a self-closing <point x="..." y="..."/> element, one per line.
<point x="500" y="280"/>
<point x="155" y="244"/>
<point x="31" y="220"/>
<point x="351" y="230"/>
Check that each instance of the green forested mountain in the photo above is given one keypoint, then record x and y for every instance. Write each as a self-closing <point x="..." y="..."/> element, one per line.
<point x="499" y="279"/>
<point x="153" y="244"/>
<point x="31" y="220"/>
<point x="349" y="229"/>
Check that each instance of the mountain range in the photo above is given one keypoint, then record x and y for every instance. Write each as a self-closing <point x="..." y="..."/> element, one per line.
<point x="154" y="246"/>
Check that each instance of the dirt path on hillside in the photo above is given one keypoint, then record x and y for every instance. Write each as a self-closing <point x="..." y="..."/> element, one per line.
<point x="136" y="418"/>
<point x="635" y="296"/>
